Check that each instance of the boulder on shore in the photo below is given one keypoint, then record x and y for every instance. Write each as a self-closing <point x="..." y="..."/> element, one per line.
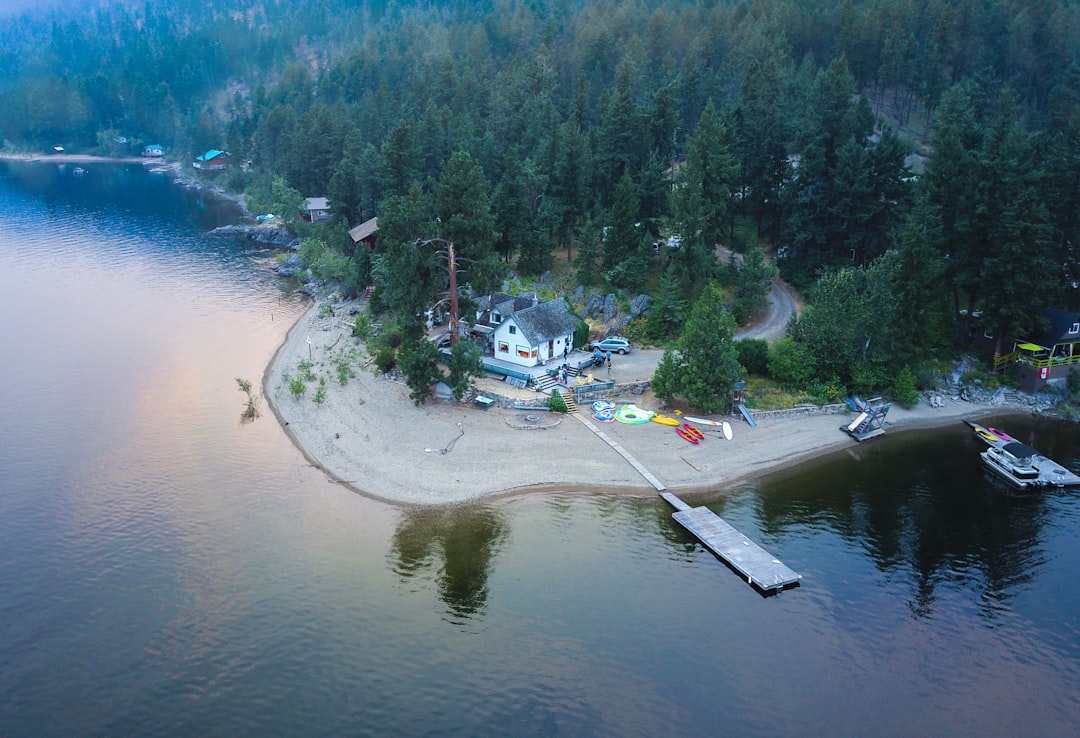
<point x="268" y="234"/>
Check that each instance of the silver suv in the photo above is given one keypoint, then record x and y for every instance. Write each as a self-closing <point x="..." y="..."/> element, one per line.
<point x="615" y="344"/>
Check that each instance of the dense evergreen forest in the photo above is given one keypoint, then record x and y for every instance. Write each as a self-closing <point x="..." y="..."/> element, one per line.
<point x="906" y="163"/>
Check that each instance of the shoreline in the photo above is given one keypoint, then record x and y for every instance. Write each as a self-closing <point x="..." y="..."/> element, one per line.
<point x="369" y="436"/>
<point x="89" y="159"/>
<point x="180" y="176"/>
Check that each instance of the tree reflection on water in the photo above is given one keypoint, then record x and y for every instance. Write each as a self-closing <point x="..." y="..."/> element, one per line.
<point x="920" y="505"/>
<point x="458" y="547"/>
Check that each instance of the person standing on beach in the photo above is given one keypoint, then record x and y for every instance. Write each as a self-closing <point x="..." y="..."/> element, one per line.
<point x="609" y="363"/>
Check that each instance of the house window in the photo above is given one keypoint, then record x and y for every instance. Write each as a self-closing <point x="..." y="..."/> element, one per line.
<point x="504" y="347"/>
<point x="495" y="317"/>
<point x="1075" y="328"/>
<point x="513" y="330"/>
<point x="523" y="352"/>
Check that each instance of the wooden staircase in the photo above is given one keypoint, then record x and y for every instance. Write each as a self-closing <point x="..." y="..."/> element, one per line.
<point x="547" y="384"/>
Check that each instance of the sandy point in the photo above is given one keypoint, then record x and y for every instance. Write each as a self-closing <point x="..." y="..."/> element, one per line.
<point x="368" y="434"/>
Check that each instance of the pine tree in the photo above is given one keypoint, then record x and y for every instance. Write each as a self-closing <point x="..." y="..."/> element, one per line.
<point x="703" y="364"/>
<point x="668" y="311"/>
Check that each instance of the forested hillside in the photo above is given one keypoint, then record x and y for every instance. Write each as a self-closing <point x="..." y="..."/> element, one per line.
<point x="594" y="132"/>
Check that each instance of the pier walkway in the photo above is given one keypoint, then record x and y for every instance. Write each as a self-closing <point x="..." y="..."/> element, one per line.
<point x="649" y="477"/>
<point x="761" y="568"/>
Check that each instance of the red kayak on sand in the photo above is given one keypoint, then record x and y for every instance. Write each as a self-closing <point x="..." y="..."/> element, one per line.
<point x="694" y="432"/>
<point x="683" y="433"/>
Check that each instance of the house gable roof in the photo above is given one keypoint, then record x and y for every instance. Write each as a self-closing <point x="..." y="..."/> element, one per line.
<point x="211" y="154"/>
<point x="1058" y="331"/>
<point x="316" y="203"/>
<point x="503" y="304"/>
<point x="545" y="321"/>
<point x="364" y="230"/>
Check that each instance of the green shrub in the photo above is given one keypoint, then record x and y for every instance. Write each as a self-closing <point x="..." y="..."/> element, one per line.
<point x="903" y="389"/>
<point x="556" y="403"/>
<point x="361" y="327"/>
<point x="753" y="355"/>
<point x="865" y="378"/>
<point x="297" y="387"/>
<point x="320" y="393"/>
<point x="343" y="366"/>
<point x="928" y="376"/>
<point x="982" y="378"/>
<point x="825" y="393"/>
<point x="303" y="369"/>
<point x="385" y="359"/>
<point x="581" y="335"/>
<point x="1072" y="382"/>
<point x="791" y="364"/>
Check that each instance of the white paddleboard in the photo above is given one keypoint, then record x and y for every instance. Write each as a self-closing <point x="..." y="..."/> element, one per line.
<point x="703" y="421"/>
<point x="727" y="430"/>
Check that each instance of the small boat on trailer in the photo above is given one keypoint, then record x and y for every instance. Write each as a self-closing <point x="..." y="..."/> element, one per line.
<point x="1020" y="464"/>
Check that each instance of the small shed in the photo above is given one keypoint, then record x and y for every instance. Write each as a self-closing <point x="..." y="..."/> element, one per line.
<point x="316" y="209"/>
<point x="366" y="232"/>
<point x="154" y="150"/>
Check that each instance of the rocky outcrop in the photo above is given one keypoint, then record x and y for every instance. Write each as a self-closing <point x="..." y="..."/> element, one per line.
<point x="290" y="267"/>
<point x="268" y="234"/>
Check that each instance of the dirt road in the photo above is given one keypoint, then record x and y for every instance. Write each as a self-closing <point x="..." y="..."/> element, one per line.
<point x="783" y="303"/>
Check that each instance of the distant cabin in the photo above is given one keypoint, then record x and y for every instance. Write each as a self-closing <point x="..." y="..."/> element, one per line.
<point x="153" y="150"/>
<point x="212" y="159"/>
<point x="316" y="209"/>
<point x="366" y="232"/>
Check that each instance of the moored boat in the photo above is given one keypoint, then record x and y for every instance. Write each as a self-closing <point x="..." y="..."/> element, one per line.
<point x="1014" y="462"/>
<point x="1020" y="464"/>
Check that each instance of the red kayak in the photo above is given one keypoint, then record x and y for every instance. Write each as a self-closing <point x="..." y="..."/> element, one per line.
<point x="687" y="435"/>
<point x="694" y="432"/>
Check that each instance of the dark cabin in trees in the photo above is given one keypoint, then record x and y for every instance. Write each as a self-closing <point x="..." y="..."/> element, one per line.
<point x="366" y="233"/>
<point x="1051" y="355"/>
<point x="316" y="209"/>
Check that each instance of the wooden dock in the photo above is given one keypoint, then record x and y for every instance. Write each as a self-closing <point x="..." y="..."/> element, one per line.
<point x="761" y="568"/>
<point x="648" y="475"/>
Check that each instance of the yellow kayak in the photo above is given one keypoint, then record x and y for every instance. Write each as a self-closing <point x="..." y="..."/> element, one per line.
<point x="665" y="420"/>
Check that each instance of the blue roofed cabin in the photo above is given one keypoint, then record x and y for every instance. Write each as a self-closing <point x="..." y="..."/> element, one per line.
<point x="212" y="159"/>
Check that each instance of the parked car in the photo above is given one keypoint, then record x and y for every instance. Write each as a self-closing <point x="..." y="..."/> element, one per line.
<point x="615" y="344"/>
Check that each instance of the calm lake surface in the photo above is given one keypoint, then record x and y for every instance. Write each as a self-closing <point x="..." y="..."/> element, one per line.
<point x="171" y="571"/>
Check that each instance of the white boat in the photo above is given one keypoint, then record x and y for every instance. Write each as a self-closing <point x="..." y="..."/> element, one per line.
<point x="1016" y="463"/>
<point x="1019" y="463"/>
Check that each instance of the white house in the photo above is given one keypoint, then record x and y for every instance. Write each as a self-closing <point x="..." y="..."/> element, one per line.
<point x="526" y="332"/>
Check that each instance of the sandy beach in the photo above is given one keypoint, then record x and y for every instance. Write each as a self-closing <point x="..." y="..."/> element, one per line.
<point x="367" y="434"/>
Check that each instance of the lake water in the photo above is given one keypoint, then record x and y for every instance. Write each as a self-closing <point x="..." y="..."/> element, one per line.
<point x="171" y="571"/>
